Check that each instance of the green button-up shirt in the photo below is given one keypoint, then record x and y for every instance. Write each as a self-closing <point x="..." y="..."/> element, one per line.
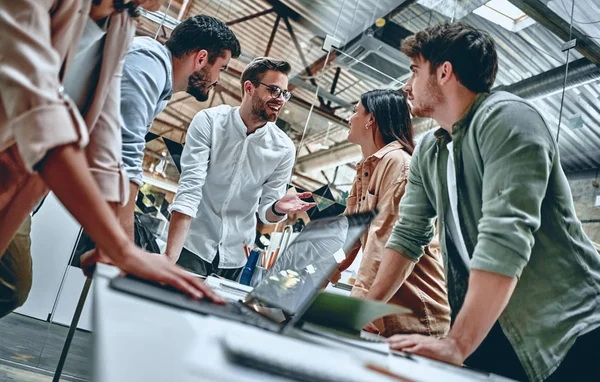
<point x="517" y="219"/>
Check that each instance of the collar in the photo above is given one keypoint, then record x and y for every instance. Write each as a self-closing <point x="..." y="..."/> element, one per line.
<point x="393" y="146"/>
<point x="464" y="122"/>
<point x="244" y="129"/>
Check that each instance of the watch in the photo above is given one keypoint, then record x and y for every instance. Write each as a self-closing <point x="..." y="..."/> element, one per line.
<point x="274" y="211"/>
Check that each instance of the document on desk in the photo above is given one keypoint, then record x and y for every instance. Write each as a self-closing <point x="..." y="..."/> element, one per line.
<point x="323" y="336"/>
<point x="227" y="289"/>
<point x="348" y="313"/>
<point x="299" y="360"/>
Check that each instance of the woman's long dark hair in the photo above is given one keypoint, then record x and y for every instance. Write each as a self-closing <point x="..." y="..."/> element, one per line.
<point x="390" y="111"/>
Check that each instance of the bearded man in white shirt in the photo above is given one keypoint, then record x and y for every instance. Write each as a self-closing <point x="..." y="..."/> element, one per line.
<point x="236" y="162"/>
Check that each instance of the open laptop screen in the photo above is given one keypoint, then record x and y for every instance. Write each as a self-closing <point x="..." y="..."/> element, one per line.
<point x="306" y="264"/>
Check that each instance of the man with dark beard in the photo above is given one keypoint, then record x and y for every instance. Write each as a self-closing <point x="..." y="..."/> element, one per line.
<point x="236" y="162"/>
<point x="191" y="60"/>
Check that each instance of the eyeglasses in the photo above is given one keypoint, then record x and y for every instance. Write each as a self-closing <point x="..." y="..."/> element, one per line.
<point x="277" y="92"/>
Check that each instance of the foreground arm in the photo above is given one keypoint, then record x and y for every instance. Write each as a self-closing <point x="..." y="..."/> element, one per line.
<point x="489" y="290"/>
<point x="194" y="167"/>
<point x="66" y="172"/>
<point x="178" y="230"/>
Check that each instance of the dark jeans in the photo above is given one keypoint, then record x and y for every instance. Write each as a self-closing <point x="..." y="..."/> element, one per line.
<point x="16" y="270"/>
<point x="194" y="263"/>
<point x="496" y="355"/>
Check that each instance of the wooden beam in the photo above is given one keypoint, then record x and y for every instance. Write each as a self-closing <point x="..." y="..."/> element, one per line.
<point x="221" y="89"/>
<point x="184" y="10"/>
<point x="557" y="25"/>
<point x="169" y="125"/>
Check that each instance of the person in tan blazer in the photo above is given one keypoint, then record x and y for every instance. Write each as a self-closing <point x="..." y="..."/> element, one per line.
<point x="47" y="143"/>
<point x="381" y="126"/>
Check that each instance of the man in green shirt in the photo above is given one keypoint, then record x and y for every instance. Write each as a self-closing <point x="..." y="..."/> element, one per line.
<point x="523" y="278"/>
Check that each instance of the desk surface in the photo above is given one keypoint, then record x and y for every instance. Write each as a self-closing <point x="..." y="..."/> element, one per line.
<point x="139" y="340"/>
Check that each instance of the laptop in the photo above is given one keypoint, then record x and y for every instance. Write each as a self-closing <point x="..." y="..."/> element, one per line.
<point x="278" y="302"/>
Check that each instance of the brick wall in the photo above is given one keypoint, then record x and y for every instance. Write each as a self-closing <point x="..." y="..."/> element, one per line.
<point x="584" y="197"/>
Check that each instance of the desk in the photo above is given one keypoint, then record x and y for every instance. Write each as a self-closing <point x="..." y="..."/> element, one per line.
<point x="139" y="340"/>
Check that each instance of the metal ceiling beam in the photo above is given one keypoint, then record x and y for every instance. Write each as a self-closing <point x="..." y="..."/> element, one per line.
<point x="221" y="89"/>
<point x="545" y="84"/>
<point x="336" y="77"/>
<point x="250" y="17"/>
<point x="297" y="82"/>
<point x="272" y="37"/>
<point x="399" y="8"/>
<point x="337" y="155"/>
<point x="546" y="17"/>
<point x="182" y="99"/>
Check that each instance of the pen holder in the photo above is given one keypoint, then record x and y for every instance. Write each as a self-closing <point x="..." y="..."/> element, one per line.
<point x="248" y="270"/>
<point x="258" y="275"/>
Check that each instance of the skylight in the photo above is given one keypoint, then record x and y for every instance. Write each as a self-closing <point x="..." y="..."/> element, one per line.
<point x="505" y="14"/>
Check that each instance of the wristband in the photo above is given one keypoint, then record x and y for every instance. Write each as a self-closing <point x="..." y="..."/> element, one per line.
<point x="275" y="212"/>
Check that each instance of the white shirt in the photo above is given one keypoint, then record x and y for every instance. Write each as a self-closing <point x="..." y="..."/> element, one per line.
<point x="226" y="177"/>
<point x="454" y="222"/>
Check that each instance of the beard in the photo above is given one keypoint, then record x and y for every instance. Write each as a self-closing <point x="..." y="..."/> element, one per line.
<point x="431" y="97"/>
<point x="260" y="110"/>
<point x="199" y="86"/>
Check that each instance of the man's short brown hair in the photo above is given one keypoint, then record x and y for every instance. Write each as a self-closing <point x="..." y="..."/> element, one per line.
<point x="256" y="69"/>
<point x="471" y="52"/>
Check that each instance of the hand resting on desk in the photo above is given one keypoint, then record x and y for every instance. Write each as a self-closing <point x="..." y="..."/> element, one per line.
<point x="441" y="349"/>
<point x="155" y="268"/>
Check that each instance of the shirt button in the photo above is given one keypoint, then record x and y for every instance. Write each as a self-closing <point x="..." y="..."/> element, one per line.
<point x="366" y="174"/>
<point x="363" y="198"/>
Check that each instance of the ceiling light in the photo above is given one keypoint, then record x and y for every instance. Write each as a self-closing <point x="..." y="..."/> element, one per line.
<point x="503" y="13"/>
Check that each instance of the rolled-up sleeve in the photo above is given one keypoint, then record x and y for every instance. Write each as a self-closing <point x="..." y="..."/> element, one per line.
<point x="39" y="116"/>
<point x="414" y="229"/>
<point x="143" y="81"/>
<point x="518" y="153"/>
<point x="194" y="165"/>
<point x="275" y="187"/>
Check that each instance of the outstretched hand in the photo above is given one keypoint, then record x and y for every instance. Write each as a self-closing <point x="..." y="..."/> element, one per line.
<point x="291" y="204"/>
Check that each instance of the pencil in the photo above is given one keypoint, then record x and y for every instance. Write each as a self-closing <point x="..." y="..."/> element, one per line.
<point x="273" y="258"/>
